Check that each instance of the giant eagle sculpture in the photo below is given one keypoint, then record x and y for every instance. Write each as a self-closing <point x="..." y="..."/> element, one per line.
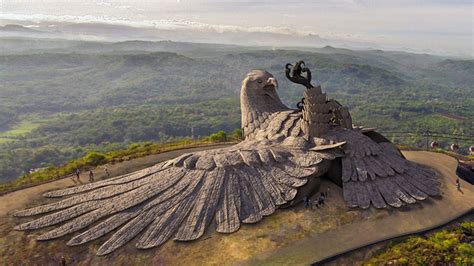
<point x="284" y="154"/>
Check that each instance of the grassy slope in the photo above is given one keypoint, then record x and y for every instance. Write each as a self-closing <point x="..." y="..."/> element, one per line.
<point x="22" y="128"/>
<point x="447" y="246"/>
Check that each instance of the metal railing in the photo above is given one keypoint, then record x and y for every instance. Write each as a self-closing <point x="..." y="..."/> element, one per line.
<point x="428" y="134"/>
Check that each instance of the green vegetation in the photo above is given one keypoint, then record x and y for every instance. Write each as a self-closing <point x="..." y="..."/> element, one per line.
<point x="450" y="246"/>
<point x="93" y="159"/>
<point x="222" y="136"/>
<point x="19" y="130"/>
<point x="59" y="104"/>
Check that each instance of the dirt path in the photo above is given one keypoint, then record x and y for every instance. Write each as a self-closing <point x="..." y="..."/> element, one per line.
<point x="19" y="199"/>
<point x="430" y="213"/>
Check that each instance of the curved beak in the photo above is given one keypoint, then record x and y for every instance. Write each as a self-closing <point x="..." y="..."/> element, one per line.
<point x="272" y="82"/>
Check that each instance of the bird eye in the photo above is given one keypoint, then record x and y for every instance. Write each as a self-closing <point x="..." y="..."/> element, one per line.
<point x="259" y="81"/>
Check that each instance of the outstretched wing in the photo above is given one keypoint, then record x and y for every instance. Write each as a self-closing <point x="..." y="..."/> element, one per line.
<point x="377" y="173"/>
<point x="179" y="198"/>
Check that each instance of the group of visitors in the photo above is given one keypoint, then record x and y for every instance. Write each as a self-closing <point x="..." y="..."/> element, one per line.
<point x="319" y="203"/>
<point x="76" y="177"/>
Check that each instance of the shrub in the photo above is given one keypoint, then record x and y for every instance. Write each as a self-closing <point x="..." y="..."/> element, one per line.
<point x="236" y="134"/>
<point x="451" y="246"/>
<point x="220" y="136"/>
<point x="134" y="146"/>
<point x="95" y="158"/>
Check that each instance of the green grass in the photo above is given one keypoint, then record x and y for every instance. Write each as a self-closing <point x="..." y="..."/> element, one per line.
<point x="445" y="247"/>
<point x="20" y="129"/>
<point x="4" y="140"/>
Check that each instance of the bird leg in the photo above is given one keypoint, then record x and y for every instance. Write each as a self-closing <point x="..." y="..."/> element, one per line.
<point x="313" y="185"/>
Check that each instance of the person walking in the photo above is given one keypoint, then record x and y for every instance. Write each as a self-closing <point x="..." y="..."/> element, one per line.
<point x="321" y="199"/>
<point x="458" y="184"/>
<point x="107" y="172"/>
<point x="306" y="202"/>
<point x="91" y="176"/>
<point x="28" y="175"/>
<point x="77" y="174"/>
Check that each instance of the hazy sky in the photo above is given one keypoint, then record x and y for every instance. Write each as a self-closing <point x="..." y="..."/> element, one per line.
<point x="431" y="25"/>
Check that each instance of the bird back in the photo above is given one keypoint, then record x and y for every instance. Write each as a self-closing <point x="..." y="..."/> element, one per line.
<point x="316" y="113"/>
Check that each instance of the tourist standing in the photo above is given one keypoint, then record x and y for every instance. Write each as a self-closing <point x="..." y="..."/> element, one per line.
<point x="321" y="199"/>
<point x="306" y="202"/>
<point x="458" y="184"/>
<point x="91" y="176"/>
<point x="77" y="174"/>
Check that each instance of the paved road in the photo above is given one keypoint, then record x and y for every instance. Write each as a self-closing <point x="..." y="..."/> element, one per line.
<point x="429" y="213"/>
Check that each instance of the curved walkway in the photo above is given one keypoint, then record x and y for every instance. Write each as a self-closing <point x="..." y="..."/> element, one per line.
<point x="429" y="214"/>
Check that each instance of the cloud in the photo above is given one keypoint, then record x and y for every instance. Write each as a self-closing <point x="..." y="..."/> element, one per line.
<point x="190" y="26"/>
<point x="421" y="24"/>
<point x="166" y="24"/>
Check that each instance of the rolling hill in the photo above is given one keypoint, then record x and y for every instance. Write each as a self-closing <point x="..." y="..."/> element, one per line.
<point x="83" y="96"/>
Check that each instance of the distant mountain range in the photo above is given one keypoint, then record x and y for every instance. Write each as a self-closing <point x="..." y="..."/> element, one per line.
<point x="16" y="28"/>
<point x="120" y="33"/>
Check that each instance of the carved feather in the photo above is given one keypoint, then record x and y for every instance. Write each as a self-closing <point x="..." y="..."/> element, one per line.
<point x="180" y="198"/>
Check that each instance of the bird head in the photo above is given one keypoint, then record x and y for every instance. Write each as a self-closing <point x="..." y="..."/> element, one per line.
<point x="260" y="84"/>
<point x="258" y="98"/>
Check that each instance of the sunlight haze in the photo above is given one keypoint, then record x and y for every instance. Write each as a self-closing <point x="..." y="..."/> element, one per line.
<point x="433" y="26"/>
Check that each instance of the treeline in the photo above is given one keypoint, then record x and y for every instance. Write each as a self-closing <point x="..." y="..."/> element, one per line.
<point x="93" y="159"/>
<point x="71" y="136"/>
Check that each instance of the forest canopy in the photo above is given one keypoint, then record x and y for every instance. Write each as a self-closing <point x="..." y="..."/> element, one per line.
<point x="59" y="104"/>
